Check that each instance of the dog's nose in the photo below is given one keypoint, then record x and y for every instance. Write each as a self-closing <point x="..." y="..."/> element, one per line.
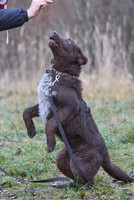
<point x="54" y="33"/>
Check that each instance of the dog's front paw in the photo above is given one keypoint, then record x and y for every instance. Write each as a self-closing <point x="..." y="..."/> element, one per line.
<point x="31" y="133"/>
<point x="50" y="147"/>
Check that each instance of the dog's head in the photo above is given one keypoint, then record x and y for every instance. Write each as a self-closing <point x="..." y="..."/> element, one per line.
<point x="68" y="57"/>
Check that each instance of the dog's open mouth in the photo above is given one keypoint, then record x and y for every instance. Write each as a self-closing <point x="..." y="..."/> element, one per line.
<point x="52" y="42"/>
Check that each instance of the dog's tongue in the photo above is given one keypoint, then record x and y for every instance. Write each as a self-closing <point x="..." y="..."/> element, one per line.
<point x="52" y="42"/>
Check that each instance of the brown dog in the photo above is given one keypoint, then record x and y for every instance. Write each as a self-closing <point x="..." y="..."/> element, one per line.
<point x="81" y="131"/>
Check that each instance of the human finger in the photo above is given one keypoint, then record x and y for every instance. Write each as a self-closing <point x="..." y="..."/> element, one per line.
<point x="43" y="5"/>
<point x="49" y="1"/>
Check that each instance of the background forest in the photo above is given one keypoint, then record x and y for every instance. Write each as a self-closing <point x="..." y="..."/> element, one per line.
<point x="104" y="29"/>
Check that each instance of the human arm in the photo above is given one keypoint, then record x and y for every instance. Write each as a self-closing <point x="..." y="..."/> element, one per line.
<point x="12" y="18"/>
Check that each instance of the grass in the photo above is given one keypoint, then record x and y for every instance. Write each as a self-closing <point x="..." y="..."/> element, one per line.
<point x="27" y="158"/>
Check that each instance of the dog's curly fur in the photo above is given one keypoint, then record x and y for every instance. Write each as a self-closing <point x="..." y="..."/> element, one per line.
<point x="81" y="131"/>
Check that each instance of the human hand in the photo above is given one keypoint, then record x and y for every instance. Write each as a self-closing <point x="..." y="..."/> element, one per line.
<point x="36" y="6"/>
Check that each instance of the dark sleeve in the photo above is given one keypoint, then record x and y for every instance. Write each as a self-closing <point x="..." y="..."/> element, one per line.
<point x="12" y="18"/>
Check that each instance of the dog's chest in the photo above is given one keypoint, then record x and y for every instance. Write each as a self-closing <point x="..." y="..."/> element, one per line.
<point x="43" y="96"/>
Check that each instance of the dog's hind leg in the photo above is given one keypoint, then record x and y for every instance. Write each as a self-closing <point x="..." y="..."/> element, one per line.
<point x="63" y="163"/>
<point x="89" y="162"/>
<point x="28" y="114"/>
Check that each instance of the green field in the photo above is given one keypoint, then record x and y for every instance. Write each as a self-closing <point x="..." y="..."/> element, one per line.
<point x="28" y="158"/>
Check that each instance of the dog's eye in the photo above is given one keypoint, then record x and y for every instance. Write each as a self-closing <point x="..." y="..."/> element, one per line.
<point x="69" y="41"/>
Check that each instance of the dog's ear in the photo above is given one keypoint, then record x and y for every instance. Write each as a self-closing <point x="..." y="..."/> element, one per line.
<point x="82" y="59"/>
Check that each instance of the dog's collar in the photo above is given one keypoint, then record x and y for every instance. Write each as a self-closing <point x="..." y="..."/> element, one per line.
<point x="54" y="71"/>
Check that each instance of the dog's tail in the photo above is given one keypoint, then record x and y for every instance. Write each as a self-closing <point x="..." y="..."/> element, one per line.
<point x="115" y="171"/>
